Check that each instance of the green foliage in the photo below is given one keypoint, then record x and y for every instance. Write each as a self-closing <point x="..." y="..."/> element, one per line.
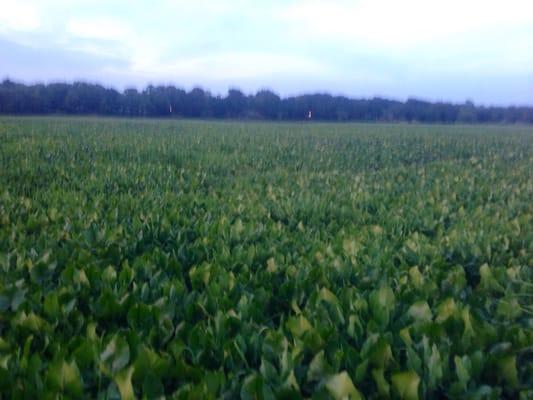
<point x="82" y="98"/>
<point x="151" y="259"/>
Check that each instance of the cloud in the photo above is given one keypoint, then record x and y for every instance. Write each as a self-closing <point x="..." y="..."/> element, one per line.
<point x="103" y="28"/>
<point x="18" y="17"/>
<point x="348" y="46"/>
<point x="231" y="67"/>
<point x="19" y="61"/>
<point x="397" y="25"/>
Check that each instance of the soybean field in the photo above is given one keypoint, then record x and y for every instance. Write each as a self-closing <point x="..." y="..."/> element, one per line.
<point x="250" y="260"/>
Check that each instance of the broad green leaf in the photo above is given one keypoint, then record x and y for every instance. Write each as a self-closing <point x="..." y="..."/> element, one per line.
<point x="445" y="310"/>
<point x="109" y="274"/>
<point x="148" y="361"/>
<point x="508" y="371"/>
<point x="462" y="369"/>
<point x="237" y="228"/>
<point x="271" y="265"/>
<point x="414" y="362"/>
<point x="19" y="296"/>
<point x="317" y="367"/>
<point x="341" y="387"/>
<point x="361" y="371"/>
<point x="351" y="247"/>
<point x="406" y="336"/>
<point x="382" y="302"/>
<point x="116" y="354"/>
<point x="508" y="309"/>
<point x="253" y="388"/>
<point x="327" y="296"/>
<point x="65" y="378"/>
<point x="406" y="384"/>
<point x="4" y="345"/>
<point x="376" y="229"/>
<point x="123" y="382"/>
<point x="434" y="367"/>
<point x="291" y="382"/>
<point x="268" y="371"/>
<point x="381" y="354"/>
<point x="298" y="325"/>
<point x="200" y="274"/>
<point x="420" y="312"/>
<point x="51" y="305"/>
<point x="468" y="332"/>
<point x="488" y="282"/>
<point x="416" y="277"/>
<point x="381" y="382"/>
<point x="31" y="322"/>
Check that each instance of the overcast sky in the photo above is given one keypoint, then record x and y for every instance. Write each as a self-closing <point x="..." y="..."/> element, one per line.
<point x="449" y="50"/>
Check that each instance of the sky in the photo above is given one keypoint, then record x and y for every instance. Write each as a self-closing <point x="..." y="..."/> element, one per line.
<point x="453" y="50"/>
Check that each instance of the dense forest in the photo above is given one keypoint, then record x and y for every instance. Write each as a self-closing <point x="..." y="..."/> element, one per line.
<point x="81" y="98"/>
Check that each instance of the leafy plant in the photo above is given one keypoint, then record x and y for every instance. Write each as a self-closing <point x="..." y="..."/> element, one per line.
<point x="179" y="259"/>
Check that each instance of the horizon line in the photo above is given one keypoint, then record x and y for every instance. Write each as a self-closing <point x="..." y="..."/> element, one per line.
<point x="235" y="87"/>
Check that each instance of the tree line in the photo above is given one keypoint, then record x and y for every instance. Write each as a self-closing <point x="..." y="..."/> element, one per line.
<point x="80" y="98"/>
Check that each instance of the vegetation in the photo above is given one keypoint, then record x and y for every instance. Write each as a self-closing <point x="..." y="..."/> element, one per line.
<point x="167" y="101"/>
<point x="259" y="261"/>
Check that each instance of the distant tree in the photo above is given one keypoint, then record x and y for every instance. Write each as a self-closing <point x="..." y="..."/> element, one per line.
<point x="131" y="103"/>
<point x="467" y="113"/>
<point x="235" y="103"/>
<point x="267" y="104"/>
<point x="169" y="101"/>
<point x="196" y="103"/>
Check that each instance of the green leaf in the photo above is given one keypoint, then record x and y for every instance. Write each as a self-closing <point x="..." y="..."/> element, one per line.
<point x="109" y="274"/>
<point x="116" y="355"/>
<point x="434" y="368"/>
<point x="487" y="280"/>
<point x="4" y="345"/>
<point x="508" y="371"/>
<point x="85" y="354"/>
<point x="468" y="332"/>
<point x="19" y="296"/>
<point x="271" y="265"/>
<point x="416" y="277"/>
<point x="420" y="312"/>
<point x="237" y="228"/>
<point x="508" y="309"/>
<point x="405" y="335"/>
<point x="406" y="384"/>
<point x="51" y="306"/>
<point x="445" y="310"/>
<point x="31" y="322"/>
<point x="318" y="367"/>
<point x="152" y="386"/>
<point x="298" y="325"/>
<point x="351" y="247"/>
<point x="123" y="382"/>
<point x="360" y="371"/>
<point x="327" y="296"/>
<point x="253" y="388"/>
<point x="413" y="360"/>
<point x="462" y="369"/>
<point x="148" y="361"/>
<point x="200" y="275"/>
<point x="268" y="371"/>
<point x="381" y="382"/>
<point x="341" y="387"/>
<point x="65" y="378"/>
<point x="382" y="304"/>
<point x="381" y="354"/>
<point x="291" y="382"/>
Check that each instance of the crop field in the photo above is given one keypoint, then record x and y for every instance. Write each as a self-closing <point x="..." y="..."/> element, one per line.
<point x="206" y="260"/>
